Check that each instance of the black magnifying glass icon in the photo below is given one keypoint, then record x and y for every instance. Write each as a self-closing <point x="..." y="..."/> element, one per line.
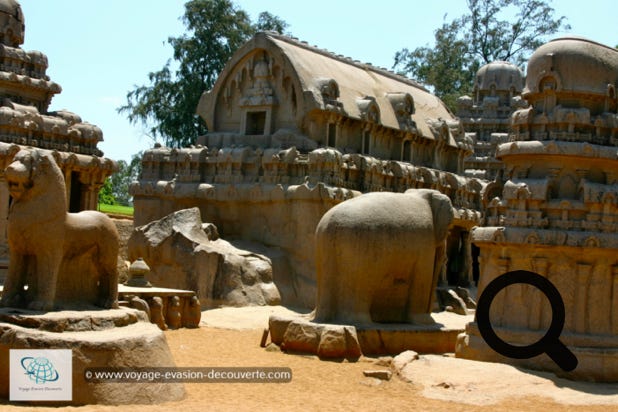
<point x="550" y="343"/>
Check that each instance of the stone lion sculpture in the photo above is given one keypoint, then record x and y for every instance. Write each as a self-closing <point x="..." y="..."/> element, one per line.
<point x="379" y="255"/>
<point x="64" y="259"/>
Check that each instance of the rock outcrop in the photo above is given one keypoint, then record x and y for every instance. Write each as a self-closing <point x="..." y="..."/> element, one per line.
<point x="184" y="253"/>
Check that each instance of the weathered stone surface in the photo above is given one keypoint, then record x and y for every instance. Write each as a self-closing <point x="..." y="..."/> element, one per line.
<point x="401" y="360"/>
<point x="302" y="336"/>
<point x="182" y="255"/>
<point x="464" y="294"/>
<point x="379" y="256"/>
<point x="277" y="326"/>
<point x="449" y="298"/>
<point x="136" y="344"/>
<point x="269" y="173"/>
<point x="486" y="115"/>
<point x="381" y="374"/>
<point x="25" y="121"/>
<point x="338" y="342"/>
<point x="394" y="339"/>
<point x="324" y="340"/>
<point x="125" y="229"/>
<point x="555" y="215"/>
<point x="65" y="259"/>
<point x="72" y="321"/>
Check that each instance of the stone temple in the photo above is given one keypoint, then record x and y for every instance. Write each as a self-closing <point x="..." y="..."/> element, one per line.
<point x="25" y="95"/>
<point x="486" y="117"/>
<point x="294" y="130"/>
<point x="557" y="214"/>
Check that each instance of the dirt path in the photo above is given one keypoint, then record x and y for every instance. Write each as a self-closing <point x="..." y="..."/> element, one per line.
<point x="332" y="386"/>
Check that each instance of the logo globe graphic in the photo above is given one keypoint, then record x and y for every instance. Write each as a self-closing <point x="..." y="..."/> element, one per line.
<point x="39" y="370"/>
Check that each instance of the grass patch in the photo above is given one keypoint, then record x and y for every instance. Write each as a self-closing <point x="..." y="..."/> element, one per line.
<point x="116" y="209"/>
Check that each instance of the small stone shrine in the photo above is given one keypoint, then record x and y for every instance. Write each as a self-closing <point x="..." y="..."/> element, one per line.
<point x="25" y="95"/>
<point x="62" y="260"/>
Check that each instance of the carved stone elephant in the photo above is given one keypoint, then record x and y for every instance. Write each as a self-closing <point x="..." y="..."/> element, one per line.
<point x="379" y="256"/>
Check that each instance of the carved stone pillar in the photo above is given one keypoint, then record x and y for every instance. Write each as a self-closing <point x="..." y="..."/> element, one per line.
<point x="535" y="314"/>
<point x="504" y="264"/>
<point x="614" y="305"/>
<point x="580" y="310"/>
<point x="467" y="275"/>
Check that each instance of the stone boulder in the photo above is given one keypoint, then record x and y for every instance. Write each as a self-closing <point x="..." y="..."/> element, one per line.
<point x="184" y="253"/>
<point x="115" y="338"/>
<point x="449" y="300"/>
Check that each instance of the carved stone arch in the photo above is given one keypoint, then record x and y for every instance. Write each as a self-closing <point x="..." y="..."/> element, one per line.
<point x="499" y="237"/>
<point x="403" y="106"/>
<point x="369" y="109"/>
<point x="532" y="239"/>
<point x="329" y="88"/>
<point x="474" y="186"/>
<point x="549" y="81"/>
<point x="492" y="191"/>
<point x="494" y="203"/>
<point x="552" y="147"/>
<point x="592" y="241"/>
<point x="523" y="192"/>
<point x="567" y="188"/>
<point x="493" y="87"/>
<point x="552" y="190"/>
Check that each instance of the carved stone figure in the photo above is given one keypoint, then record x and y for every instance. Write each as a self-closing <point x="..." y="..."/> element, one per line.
<point x="192" y="313"/>
<point x="173" y="315"/>
<point x="64" y="258"/>
<point x="156" y="312"/>
<point x="26" y="92"/>
<point x="138" y="303"/>
<point x="378" y="256"/>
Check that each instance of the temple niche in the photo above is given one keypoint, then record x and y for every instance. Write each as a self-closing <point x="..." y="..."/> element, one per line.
<point x="557" y="214"/>
<point x="294" y="130"/>
<point x="486" y="116"/>
<point x="25" y="95"/>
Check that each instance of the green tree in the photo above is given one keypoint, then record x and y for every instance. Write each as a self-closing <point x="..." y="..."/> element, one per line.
<point x="106" y="196"/>
<point x="166" y="106"/>
<point x="508" y="30"/>
<point x="121" y="180"/>
<point x="115" y="190"/>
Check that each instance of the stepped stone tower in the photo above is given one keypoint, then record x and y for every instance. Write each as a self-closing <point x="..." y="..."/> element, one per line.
<point x="558" y="211"/>
<point x="25" y="95"/>
<point x="486" y="117"/>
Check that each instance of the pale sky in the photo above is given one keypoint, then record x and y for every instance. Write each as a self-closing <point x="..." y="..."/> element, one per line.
<point x="98" y="50"/>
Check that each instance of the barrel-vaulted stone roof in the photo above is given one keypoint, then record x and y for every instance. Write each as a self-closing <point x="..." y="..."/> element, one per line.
<point x="328" y="82"/>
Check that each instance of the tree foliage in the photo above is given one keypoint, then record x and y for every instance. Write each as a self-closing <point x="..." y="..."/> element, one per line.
<point x="166" y="106"/>
<point x="115" y="190"/>
<point x="491" y="30"/>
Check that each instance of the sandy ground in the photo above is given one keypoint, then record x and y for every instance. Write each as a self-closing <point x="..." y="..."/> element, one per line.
<point x="230" y="337"/>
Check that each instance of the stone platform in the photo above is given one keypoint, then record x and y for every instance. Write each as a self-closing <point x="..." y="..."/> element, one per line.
<point x="186" y="313"/>
<point x="117" y="338"/>
<point x="597" y="356"/>
<point x="437" y="335"/>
